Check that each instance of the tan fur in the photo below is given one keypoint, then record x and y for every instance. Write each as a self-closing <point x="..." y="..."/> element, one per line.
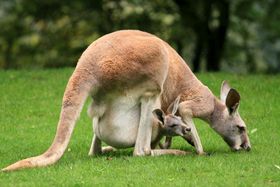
<point x="129" y="60"/>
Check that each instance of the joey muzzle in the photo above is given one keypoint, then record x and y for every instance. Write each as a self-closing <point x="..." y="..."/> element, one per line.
<point x="186" y="130"/>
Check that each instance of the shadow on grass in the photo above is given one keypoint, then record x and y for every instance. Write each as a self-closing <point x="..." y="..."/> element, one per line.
<point x="127" y="154"/>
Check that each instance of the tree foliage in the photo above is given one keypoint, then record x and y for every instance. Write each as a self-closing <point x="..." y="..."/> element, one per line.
<point x="240" y="35"/>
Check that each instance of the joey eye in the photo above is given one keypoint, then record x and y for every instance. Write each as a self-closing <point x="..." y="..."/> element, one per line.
<point x="173" y="125"/>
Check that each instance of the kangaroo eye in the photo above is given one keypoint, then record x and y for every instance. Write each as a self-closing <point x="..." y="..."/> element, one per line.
<point x="241" y="128"/>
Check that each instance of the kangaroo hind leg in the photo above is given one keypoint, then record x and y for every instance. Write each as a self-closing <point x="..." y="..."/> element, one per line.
<point x="144" y="134"/>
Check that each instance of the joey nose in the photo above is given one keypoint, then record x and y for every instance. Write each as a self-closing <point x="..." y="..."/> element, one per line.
<point x="187" y="129"/>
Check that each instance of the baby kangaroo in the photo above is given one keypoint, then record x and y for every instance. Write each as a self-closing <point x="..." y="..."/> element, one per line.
<point x="168" y="125"/>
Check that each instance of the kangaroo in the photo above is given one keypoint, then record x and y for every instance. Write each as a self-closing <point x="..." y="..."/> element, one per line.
<point x="163" y="125"/>
<point x="237" y="139"/>
<point x="134" y="72"/>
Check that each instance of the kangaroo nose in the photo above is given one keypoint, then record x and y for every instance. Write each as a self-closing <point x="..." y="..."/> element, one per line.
<point x="246" y="146"/>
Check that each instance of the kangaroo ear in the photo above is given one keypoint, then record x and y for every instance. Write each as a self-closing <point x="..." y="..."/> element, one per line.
<point x="159" y="114"/>
<point x="224" y="91"/>
<point x="232" y="100"/>
<point x="173" y="107"/>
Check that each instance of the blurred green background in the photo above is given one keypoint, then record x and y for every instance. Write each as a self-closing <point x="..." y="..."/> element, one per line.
<point x="239" y="36"/>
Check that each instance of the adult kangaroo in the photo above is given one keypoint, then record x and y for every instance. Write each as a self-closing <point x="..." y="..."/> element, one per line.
<point x="147" y="73"/>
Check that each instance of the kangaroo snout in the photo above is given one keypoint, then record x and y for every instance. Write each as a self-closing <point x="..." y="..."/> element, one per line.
<point x="246" y="146"/>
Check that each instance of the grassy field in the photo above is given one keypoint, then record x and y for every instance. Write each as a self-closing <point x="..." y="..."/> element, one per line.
<point x="29" y="110"/>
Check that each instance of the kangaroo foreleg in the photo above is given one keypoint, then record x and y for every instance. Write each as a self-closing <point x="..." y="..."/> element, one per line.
<point x="194" y="135"/>
<point x="168" y="141"/>
<point x="166" y="144"/>
<point x="189" y="139"/>
<point x="95" y="147"/>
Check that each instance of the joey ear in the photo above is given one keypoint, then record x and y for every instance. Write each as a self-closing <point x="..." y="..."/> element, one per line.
<point x="159" y="114"/>
<point x="225" y="87"/>
<point x="172" y="109"/>
<point x="232" y="100"/>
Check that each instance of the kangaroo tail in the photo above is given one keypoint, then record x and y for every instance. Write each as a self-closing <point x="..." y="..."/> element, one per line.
<point x="77" y="91"/>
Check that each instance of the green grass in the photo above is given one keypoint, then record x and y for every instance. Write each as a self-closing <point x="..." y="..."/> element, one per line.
<point x="29" y="110"/>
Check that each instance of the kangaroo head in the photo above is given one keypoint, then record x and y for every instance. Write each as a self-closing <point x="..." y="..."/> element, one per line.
<point x="227" y="121"/>
<point x="171" y="124"/>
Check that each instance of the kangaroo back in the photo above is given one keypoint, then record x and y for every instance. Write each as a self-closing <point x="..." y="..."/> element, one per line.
<point x="115" y="59"/>
<point x="113" y="63"/>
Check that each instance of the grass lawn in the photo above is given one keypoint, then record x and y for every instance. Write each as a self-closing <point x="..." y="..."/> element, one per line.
<point x="29" y="110"/>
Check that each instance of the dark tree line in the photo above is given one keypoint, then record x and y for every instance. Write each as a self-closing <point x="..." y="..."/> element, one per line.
<point x="209" y="21"/>
<point x="211" y="35"/>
